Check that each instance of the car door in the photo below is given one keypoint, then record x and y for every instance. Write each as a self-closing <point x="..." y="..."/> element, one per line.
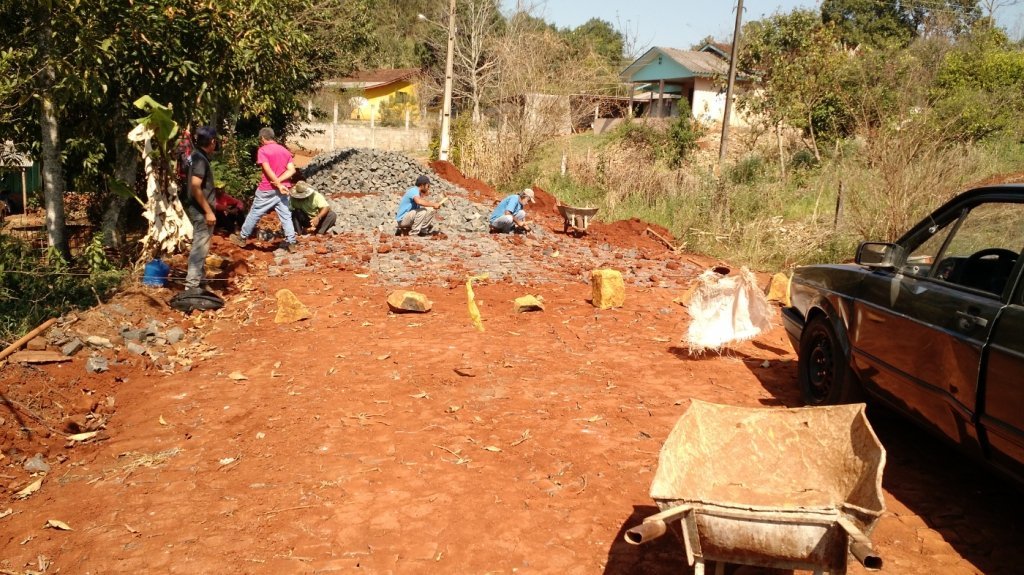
<point x="919" y="330"/>
<point x="1002" y="411"/>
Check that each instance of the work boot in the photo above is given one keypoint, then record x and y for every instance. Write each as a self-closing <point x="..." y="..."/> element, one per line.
<point x="237" y="240"/>
<point x="291" y="247"/>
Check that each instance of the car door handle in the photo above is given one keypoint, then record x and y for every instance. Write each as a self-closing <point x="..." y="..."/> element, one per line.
<point x="967" y="320"/>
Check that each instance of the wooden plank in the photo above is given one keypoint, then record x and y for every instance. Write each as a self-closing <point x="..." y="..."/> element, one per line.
<point x="38" y="357"/>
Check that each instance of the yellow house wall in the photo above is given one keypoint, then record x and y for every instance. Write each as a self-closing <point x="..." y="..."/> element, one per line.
<point x="381" y="97"/>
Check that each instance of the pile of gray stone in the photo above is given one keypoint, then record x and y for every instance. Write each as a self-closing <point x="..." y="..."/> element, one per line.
<point x="364" y="187"/>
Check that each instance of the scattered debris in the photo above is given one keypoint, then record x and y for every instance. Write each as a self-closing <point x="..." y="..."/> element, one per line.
<point x="57" y="524"/>
<point x="471" y="307"/>
<point x="528" y="303"/>
<point x="38" y="357"/>
<point x="97" y="364"/>
<point x="726" y="309"/>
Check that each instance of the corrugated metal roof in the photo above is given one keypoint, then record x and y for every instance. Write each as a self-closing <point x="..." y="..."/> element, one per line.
<point x="700" y="63"/>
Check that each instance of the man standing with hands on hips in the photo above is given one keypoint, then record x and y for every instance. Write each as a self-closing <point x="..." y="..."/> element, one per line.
<point x="278" y="167"/>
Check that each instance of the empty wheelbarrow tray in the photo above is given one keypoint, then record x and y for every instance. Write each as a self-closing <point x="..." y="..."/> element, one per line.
<point x="575" y="219"/>
<point x="782" y="488"/>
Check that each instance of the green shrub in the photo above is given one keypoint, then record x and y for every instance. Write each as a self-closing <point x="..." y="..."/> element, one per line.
<point x="34" y="289"/>
<point x="747" y="171"/>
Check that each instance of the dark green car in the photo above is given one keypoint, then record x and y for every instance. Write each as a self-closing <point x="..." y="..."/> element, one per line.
<point x="931" y="325"/>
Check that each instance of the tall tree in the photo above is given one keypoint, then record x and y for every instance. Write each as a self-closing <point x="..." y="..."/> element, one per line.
<point x="601" y="37"/>
<point x="895" y="23"/>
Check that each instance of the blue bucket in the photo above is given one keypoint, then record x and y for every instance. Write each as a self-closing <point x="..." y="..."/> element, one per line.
<point x="155" y="273"/>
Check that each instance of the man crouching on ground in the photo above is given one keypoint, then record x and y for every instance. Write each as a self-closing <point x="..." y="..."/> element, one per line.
<point x="415" y="211"/>
<point x="311" y="213"/>
<point x="509" y="215"/>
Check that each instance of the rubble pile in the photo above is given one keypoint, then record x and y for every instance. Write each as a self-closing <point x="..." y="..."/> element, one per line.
<point x="364" y="187"/>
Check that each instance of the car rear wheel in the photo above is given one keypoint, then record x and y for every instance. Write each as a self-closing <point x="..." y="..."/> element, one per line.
<point x="824" y="376"/>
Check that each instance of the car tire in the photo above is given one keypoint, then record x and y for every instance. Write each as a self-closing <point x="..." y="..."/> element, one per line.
<point x="824" y="374"/>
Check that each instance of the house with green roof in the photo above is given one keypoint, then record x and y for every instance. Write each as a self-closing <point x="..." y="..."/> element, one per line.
<point x="668" y="81"/>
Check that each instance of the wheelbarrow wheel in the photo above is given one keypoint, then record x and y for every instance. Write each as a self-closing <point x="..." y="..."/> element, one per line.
<point x="823" y="372"/>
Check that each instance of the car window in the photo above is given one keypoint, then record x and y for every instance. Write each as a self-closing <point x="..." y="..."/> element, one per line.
<point x="921" y="258"/>
<point x="984" y="248"/>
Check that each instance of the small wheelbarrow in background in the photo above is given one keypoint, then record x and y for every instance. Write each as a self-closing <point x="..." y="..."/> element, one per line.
<point x="769" y="487"/>
<point x="575" y="219"/>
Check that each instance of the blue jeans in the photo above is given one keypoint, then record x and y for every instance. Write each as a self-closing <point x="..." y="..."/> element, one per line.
<point x="201" y="235"/>
<point x="262" y="203"/>
<point x="505" y="223"/>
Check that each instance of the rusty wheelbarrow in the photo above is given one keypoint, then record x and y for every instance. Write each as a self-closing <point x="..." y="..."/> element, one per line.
<point x="575" y="219"/>
<point x="769" y="487"/>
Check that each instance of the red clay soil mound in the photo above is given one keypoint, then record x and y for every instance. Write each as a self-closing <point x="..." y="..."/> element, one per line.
<point x="999" y="179"/>
<point x="631" y="233"/>
<point x="546" y="203"/>
<point x="477" y="189"/>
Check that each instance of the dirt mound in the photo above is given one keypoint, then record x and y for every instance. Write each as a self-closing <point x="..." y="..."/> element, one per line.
<point x="999" y="179"/>
<point x="631" y="233"/>
<point x="478" y="190"/>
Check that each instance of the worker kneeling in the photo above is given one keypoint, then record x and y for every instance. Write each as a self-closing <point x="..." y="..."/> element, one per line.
<point x="311" y="213"/>
<point x="510" y="216"/>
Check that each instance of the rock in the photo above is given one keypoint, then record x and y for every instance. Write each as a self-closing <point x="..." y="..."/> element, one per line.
<point x="97" y="341"/>
<point x="72" y="347"/>
<point x="214" y="262"/>
<point x="174" y="335"/>
<point x="528" y="303"/>
<point x="136" y="348"/>
<point x="408" y="301"/>
<point x="36" y="464"/>
<point x="289" y="308"/>
<point x="135" y="335"/>
<point x="778" y="291"/>
<point x="96" y="364"/>
<point x="607" y="288"/>
<point x="36" y="344"/>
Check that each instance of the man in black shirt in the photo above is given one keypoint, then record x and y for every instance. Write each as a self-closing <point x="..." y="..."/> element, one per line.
<point x="199" y="206"/>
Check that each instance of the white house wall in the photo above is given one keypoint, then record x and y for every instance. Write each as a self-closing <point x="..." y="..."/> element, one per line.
<point x="709" y="104"/>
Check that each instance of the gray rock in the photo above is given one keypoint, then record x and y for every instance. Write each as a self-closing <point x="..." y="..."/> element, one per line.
<point x="72" y="347"/>
<point x="36" y="464"/>
<point x="174" y="335"/>
<point x="97" y="364"/>
<point x="134" y="335"/>
<point x="136" y="348"/>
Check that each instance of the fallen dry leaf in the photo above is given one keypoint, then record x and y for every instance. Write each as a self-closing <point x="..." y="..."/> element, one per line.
<point x="453" y="408"/>
<point x="30" y="489"/>
<point x="492" y="448"/>
<point x="56" y="524"/>
<point x="3" y="514"/>
<point x="130" y="528"/>
<point x="237" y="376"/>
<point x="162" y="421"/>
<point x="383" y="357"/>
<point x="83" y="436"/>
<point x="420" y="395"/>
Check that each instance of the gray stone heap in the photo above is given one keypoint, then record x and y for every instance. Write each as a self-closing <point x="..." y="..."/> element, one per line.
<point x="381" y="177"/>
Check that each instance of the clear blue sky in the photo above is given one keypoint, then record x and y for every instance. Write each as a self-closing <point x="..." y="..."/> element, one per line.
<point x="681" y="23"/>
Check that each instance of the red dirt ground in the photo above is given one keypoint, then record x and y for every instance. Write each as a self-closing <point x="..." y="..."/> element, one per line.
<point x="364" y="441"/>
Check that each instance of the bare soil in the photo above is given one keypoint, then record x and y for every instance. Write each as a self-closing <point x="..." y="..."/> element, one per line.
<point x="365" y="441"/>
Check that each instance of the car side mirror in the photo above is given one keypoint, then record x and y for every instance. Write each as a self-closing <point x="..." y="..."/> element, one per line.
<point x="878" y="254"/>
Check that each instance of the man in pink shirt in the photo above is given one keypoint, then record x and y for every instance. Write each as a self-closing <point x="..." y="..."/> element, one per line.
<point x="272" y="194"/>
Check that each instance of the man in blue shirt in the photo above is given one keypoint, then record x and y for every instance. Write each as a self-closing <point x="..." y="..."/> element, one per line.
<point x="510" y="215"/>
<point x="415" y="211"/>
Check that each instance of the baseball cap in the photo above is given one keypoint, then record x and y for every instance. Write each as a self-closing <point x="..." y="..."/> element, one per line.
<point x="528" y="195"/>
<point x="422" y="180"/>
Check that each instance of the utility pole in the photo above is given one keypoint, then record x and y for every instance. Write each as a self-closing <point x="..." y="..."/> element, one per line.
<point x="732" y="80"/>
<point x="446" y="118"/>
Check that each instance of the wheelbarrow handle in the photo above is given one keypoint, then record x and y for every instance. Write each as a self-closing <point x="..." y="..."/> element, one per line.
<point x="860" y="546"/>
<point x="655" y="525"/>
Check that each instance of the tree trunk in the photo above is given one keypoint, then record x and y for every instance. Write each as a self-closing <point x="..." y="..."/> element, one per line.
<point x="126" y="165"/>
<point x="814" y="140"/>
<point x="53" y="176"/>
<point x="782" y="155"/>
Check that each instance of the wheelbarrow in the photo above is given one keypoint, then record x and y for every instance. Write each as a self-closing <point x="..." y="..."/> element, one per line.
<point x="575" y="219"/>
<point x="769" y="487"/>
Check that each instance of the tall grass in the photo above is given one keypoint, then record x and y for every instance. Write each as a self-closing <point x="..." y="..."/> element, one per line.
<point x="749" y="214"/>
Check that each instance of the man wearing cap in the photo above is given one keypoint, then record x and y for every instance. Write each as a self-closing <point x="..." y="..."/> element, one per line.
<point x="198" y="206"/>
<point x="510" y="215"/>
<point x="310" y="211"/>
<point x="415" y="212"/>
<point x="229" y="210"/>
<point x="277" y="165"/>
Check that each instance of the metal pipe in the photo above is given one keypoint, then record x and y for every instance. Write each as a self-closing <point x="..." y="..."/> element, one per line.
<point x="860" y="546"/>
<point x="655" y="525"/>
